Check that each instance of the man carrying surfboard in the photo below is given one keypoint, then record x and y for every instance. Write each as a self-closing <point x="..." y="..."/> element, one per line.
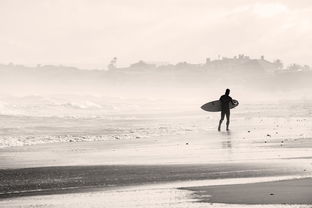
<point x="225" y="109"/>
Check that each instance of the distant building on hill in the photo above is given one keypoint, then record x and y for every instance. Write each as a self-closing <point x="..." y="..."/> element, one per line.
<point x="243" y="64"/>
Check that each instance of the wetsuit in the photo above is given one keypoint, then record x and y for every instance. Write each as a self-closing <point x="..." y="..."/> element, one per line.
<point x="225" y="108"/>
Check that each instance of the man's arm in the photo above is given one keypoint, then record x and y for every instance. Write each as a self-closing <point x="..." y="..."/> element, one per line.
<point x="232" y="101"/>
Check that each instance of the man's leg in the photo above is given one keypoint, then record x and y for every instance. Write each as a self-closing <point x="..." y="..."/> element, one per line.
<point x="227" y="120"/>
<point x="221" y="119"/>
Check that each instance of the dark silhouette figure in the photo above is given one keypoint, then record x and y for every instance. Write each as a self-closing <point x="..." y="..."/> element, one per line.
<point x="225" y="108"/>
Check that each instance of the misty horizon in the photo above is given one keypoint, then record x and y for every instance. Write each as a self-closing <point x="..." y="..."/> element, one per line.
<point x="115" y="63"/>
<point x="252" y="79"/>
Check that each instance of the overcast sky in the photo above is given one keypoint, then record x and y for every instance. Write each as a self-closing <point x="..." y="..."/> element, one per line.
<point x="89" y="33"/>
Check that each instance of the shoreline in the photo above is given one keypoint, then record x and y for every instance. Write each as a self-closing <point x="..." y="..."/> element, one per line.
<point x="71" y="179"/>
<point x="164" y="168"/>
<point x="294" y="191"/>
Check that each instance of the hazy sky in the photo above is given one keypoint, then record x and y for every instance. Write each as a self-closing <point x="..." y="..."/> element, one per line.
<point x="89" y="33"/>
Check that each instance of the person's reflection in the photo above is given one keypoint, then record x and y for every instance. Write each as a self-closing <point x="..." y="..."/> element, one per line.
<point x="227" y="141"/>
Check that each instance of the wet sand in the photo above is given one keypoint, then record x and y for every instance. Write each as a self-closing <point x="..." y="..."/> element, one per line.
<point x="271" y="147"/>
<point x="68" y="179"/>
<point x="297" y="191"/>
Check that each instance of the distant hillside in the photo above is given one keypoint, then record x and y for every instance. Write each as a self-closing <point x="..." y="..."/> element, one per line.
<point x="141" y="77"/>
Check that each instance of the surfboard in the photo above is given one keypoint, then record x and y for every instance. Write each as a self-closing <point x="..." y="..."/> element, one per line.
<point x="215" y="106"/>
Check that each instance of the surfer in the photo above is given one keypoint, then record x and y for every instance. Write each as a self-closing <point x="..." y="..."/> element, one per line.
<point x="225" y="108"/>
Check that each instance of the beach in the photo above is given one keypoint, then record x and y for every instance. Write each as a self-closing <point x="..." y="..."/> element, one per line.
<point x="119" y="104"/>
<point x="172" y="160"/>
